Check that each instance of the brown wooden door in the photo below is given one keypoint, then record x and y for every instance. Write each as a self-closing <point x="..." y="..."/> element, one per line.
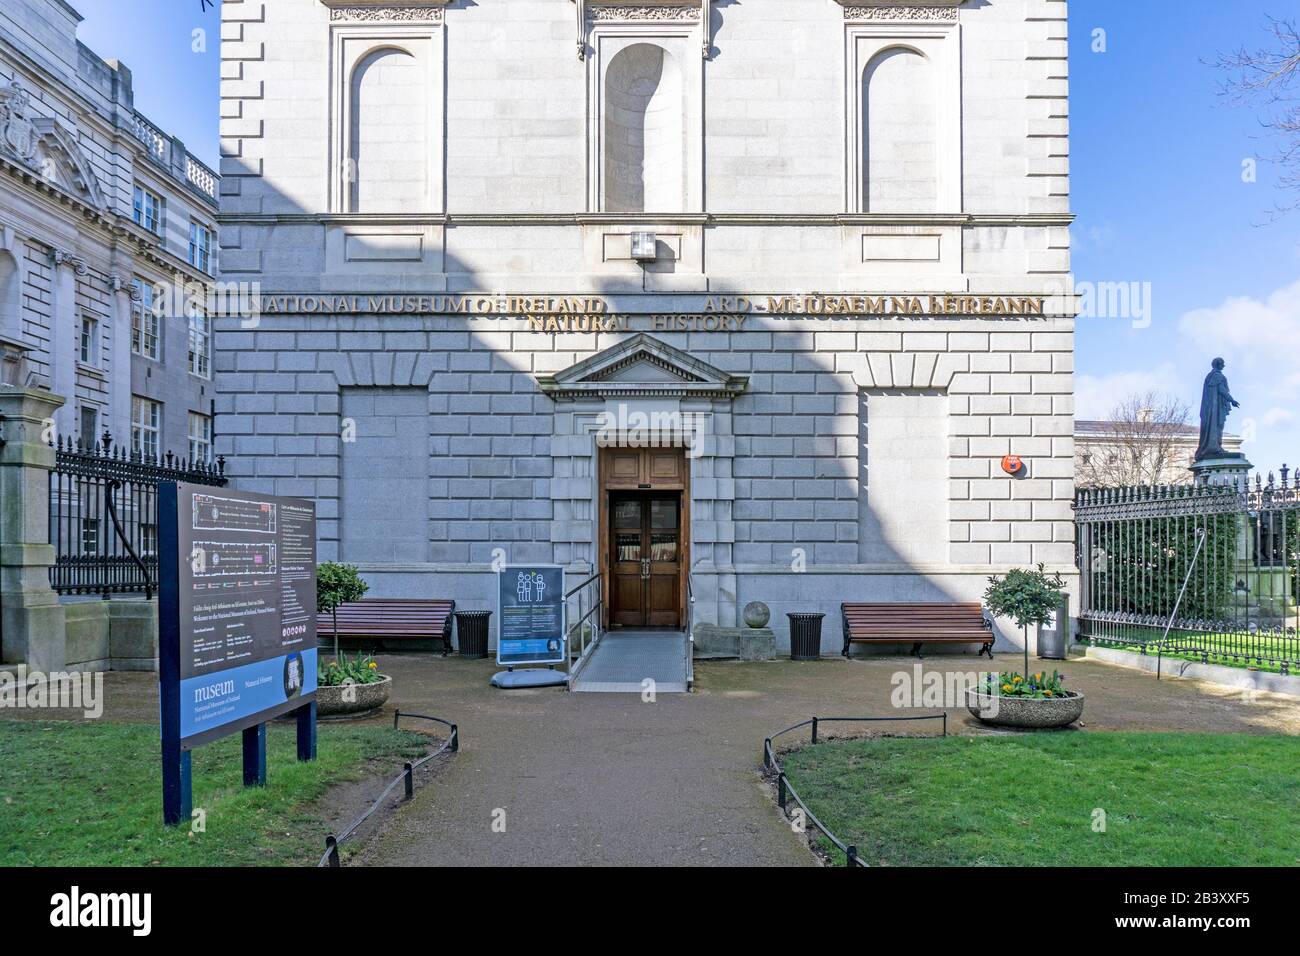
<point x="645" y="560"/>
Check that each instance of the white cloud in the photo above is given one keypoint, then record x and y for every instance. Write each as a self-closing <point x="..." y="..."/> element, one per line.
<point x="1095" y="396"/>
<point x="1257" y="337"/>
<point x="1275" y="416"/>
<point x="1260" y="340"/>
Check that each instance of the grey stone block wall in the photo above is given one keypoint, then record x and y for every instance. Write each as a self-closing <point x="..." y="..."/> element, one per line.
<point x="456" y="453"/>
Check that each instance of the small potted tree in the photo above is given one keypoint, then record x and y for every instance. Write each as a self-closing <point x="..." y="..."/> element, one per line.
<point x="1026" y="699"/>
<point x="345" y="687"/>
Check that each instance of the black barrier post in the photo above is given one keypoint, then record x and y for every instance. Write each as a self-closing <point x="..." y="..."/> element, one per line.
<point x="332" y="850"/>
<point x="455" y="739"/>
<point x="814" y="730"/>
<point x="409" y="779"/>
<point x="780" y="790"/>
<point x="767" y="750"/>
<point x="255" y="756"/>
<point x="852" y="854"/>
<point x="307" y="731"/>
<point x="177" y="791"/>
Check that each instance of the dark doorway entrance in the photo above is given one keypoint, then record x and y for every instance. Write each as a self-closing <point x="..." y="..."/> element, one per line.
<point x="645" y="560"/>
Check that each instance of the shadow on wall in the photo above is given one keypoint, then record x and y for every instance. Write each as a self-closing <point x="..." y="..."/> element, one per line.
<point x="431" y="452"/>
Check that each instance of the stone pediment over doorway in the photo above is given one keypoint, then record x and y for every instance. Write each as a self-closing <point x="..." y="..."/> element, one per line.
<point x="641" y="367"/>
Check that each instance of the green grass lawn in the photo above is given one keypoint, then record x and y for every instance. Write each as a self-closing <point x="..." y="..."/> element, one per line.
<point x="90" y="794"/>
<point x="1030" y="799"/>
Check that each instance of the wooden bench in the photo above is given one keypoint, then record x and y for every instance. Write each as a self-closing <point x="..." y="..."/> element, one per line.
<point x="389" y="619"/>
<point x="917" y="624"/>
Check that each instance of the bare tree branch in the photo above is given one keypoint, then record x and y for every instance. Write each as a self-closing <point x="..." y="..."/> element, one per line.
<point x="1269" y="80"/>
<point x="1146" y="443"/>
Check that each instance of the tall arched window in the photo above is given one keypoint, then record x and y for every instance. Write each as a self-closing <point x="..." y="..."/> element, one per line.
<point x="900" y="136"/>
<point x="644" y="132"/>
<point x="388" y="149"/>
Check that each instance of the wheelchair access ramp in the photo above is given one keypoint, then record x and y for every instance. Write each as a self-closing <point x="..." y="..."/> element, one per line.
<point x="623" y="660"/>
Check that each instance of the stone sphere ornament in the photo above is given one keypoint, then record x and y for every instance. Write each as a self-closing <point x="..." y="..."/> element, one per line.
<point x="757" y="614"/>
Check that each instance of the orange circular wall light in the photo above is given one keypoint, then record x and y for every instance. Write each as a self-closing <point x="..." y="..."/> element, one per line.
<point x="1012" y="464"/>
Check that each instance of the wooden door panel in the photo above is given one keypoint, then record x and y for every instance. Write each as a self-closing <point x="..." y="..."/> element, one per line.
<point x="661" y="599"/>
<point x="628" y="591"/>
<point x="623" y="467"/>
<point x="664" y="466"/>
<point x="639" y="467"/>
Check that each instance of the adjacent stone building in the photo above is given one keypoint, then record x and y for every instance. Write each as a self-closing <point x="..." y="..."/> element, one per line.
<point x="1113" y="453"/>
<point x="745" y="300"/>
<point x="107" y="244"/>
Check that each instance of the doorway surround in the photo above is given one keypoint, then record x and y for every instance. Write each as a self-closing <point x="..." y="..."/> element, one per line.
<point x="642" y="393"/>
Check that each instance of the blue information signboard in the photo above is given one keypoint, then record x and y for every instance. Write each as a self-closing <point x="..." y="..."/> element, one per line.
<point x="237" y="625"/>
<point x="530" y="614"/>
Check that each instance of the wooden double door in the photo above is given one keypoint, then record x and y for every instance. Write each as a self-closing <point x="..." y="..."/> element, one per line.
<point x="645" y="559"/>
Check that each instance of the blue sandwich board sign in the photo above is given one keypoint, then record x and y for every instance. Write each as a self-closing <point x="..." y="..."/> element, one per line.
<point x="530" y="614"/>
<point x="236" y="626"/>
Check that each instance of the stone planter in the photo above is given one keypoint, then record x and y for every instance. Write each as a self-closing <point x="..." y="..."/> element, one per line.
<point x="332" y="702"/>
<point x="1026" y="713"/>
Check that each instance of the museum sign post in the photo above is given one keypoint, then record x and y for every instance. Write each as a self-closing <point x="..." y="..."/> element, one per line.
<point x="236" y="626"/>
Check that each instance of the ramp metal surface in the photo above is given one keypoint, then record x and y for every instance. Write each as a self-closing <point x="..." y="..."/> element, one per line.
<point x="624" y="660"/>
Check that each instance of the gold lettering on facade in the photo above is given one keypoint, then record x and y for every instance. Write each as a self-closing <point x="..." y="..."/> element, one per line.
<point x="722" y="313"/>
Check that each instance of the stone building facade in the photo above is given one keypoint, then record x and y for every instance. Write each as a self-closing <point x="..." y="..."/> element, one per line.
<point x="1117" y="453"/>
<point x="107" y="244"/>
<point x="746" y="300"/>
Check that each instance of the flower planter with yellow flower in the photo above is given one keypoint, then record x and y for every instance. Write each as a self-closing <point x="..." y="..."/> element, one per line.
<point x="350" y="687"/>
<point x="1033" y="703"/>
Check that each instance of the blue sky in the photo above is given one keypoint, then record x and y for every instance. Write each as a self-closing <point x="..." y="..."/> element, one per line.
<point x="1156" y="167"/>
<point x="1156" y="177"/>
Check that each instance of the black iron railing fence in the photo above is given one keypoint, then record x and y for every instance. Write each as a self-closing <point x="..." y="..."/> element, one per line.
<point x="785" y="791"/>
<point x="407" y="778"/>
<point x="104" y="514"/>
<point x="1216" y="566"/>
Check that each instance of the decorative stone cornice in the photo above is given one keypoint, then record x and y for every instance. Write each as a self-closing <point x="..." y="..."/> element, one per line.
<point x="386" y="15"/>
<point x="61" y="257"/>
<point x="901" y="13"/>
<point x="913" y="10"/>
<point x="386" y="11"/>
<point x="122" y="283"/>
<point x="593" y="12"/>
<point x="618" y="12"/>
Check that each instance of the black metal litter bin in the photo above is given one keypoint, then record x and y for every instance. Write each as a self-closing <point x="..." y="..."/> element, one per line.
<point x="805" y="636"/>
<point x="472" y="633"/>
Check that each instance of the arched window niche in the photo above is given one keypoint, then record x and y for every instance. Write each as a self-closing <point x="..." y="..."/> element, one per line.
<point x="388" y="132"/>
<point x="900" y="136"/>
<point x="903" y="117"/>
<point x="644" y="132"/>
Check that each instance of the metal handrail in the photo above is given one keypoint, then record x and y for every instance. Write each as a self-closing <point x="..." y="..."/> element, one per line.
<point x="575" y="590"/>
<point x="785" y="790"/>
<point x="407" y="776"/>
<point x="593" y="590"/>
<point x="690" y="628"/>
